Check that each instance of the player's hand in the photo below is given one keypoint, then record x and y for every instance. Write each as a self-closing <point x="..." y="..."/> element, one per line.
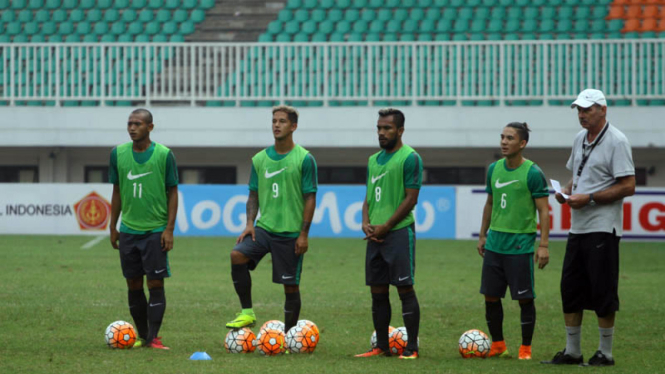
<point x="367" y="229"/>
<point x="301" y="244"/>
<point x="377" y="233"/>
<point x="578" y="201"/>
<point x="542" y="257"/>
<point x="167" y="240"/>
<point x="115" y="236"/>
<point x="481" y="245"/>
<point x="249" y="230"/>
<point x="559" y="197"/>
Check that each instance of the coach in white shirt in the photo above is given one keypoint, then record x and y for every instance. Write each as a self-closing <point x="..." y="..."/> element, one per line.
<point x="603" y="174"/>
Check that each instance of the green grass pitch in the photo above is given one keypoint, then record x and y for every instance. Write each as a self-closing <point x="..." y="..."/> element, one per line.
<point x="56" y="299"/>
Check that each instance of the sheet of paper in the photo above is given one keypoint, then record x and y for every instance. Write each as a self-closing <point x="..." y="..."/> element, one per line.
<point x="557" y="188"/>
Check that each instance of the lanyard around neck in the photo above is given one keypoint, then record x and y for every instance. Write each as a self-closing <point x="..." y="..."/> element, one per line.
<point x="585" y="157"/>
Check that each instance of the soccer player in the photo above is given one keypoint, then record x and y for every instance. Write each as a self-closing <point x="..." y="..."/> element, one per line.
<point x="603" y="174"/>
<point x="145" y="190"/>
<point x="516" y="190"/>
<point x="282" y="186"/>
<point x="394" y="177"/>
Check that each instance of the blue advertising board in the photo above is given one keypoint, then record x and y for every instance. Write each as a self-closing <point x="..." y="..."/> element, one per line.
<point x="219" y="210"/>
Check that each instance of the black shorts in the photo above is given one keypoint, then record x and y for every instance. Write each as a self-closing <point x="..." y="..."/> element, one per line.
<point x="503" y="270"/>
<point x="394" y="260"/>
<point x="142" y="255"/>
<point x="286" y="265"/>
<point x="590" y="277"/>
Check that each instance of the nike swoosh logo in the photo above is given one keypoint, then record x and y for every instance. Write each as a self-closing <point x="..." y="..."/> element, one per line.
<point x="407" y="313"/>
<point x="137" y="176"/>
<point x="270" y="175"/>
<point x="159" y="271"/>
<point x="285" y="277"/>
<point x="156" y="304"/>
<point x="501" y="185"/>
<point x="374" y="179"/>
<point x="401" y="279"/>
<point x="600" y="245"/>
<point x="606" y="336"/>
<point x="521" y="292"/>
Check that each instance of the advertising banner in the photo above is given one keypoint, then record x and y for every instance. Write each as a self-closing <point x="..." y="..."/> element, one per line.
<point x="203" y="210"/>
<point x="643" y="214"/>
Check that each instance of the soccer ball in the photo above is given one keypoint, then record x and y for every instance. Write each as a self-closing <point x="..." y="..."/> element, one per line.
<point x="240" y="341"/>
<point x="273" y="325"/>
<point x="311" y="325"/>
<point x="270" y="342"/>
<point x="474" y="343"/>
<point x="120" y="334"/>
<point x="301" y="339"/>
<point x="372" y="340"/>
<point x="397" y="340"/>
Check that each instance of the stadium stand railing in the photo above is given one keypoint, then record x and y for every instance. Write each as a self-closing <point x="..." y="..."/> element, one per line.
<point x="483" y="73"/>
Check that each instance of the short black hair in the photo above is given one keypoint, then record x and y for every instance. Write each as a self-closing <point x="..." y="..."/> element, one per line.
<point x="147" y="116"/>
<point x="397" y="114"/>
<point x="291" y="112"/>
<point x="522" y="129"/>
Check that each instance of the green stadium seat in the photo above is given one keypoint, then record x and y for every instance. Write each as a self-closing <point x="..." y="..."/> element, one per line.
<point x="87" y="4"/>
<point x="409" y="26"/>
<point x="319" y="37"/>
<point x="309" y="27"/>
<point x="444" y="26"/>
<point x="39" y="38"/>
<point x="498" y="13"/>
<point x="292" y="27"/>
<point x="176" y="38"/>
<point x="294" y="4"/>
<point x="391" y="3"/>
<point x="495" y="26"/>
<point x="515" y="13"/>
<point x="513" y="25"/>
<point x="101" y="28"/>
<point x="360" y="27"/>
<point x="407" y="4"/>
<point x="180" y="15"/>
<point x="482" y="13"/>
<point x="117" y="28"/>
<point x="318" y="15"/>
<point x="564" y="25"/>
<point x="465" y="14"/>
<point x="20" y="38"/>
<point x="427" y="26"/>
<point x="24" y="16"/>
<point x="582" y="12"/>
<point x="30" y="28"/>
<point x="49" y="28"/>
<point x="42" y="15"/>
<point x="599" y="12"/>
<point x="417" y="14"/>
<point x="135" y="28"/>
<point x="160" y="38"/>
<point x="351" y="15"/>
<point x="169" y="28"/>
<point x="69" y="4"/>
<point x="172" y="4"/>
<point x="400" y="15"/>
<point x="93" y="15"/>
<point x="494" y="36"/>
<point x="110" y="15"/>
<point x="531" y="13"/>
<point x="310" y="4"/>
<point x="83" y="28"/>
<point x="368" y="15"/>
<point x="65" y="28"/>
<point x="72" y="38"/>
<point x="373" y="37"/>
<point x="511" y="36"/>
<point x="581" y="26"/>
<point x="283" y="38"/>
<point x="407" y="37"/>
<point x="460" y="37"/>
<point x="461" y="26"/>
<point x="393" y="26"/>
<point x="376" y="26"/>
<point x="565" y="12"/>
<point x="326" y="27"/>
<point x="355" y="37"/>
<point x="301" y="15"/>
<point x="477" y="36"/>
<point x="433" y="14"/>
<point x="425" y="37"/>
<point x="336" y="37"/>
<point x="285" y="15"/>
<point x="90" y="38"/>
<point x="18" y="4"/>
<point x="54" y="39"/>
<point x="58" y="15"/>
<point x="546" y="25"/>
<point x="490" y="3"/>
<point x="478" y="25"/>
<point x="130" y="15"/>
<point x="33" y="4"/>
<point x="390" y="37"/>
<point x="615" y="25"/>
<point x="146" y="15"/>
<point x="104" y="4"/>
<point x="335" y="15"/>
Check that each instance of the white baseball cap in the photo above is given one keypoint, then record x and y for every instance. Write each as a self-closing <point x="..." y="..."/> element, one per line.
<point x="589" y="97"/>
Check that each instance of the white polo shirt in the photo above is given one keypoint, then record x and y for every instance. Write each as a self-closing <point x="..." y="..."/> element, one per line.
<point x="610" y="159"/>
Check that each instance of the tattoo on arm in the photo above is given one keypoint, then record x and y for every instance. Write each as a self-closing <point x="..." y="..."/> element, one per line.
<point x="305" y="226"/>
<point x="252" y="208"/>
<point x="310" y="198"/>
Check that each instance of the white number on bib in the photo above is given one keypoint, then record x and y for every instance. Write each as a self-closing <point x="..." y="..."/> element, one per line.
<point x="275" y="190"/>
<point x="140" y="189"/>
<point x="377" y="192"/>
<point x="503" y="201"/>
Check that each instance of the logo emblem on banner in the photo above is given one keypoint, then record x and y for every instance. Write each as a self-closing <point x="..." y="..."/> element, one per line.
<point x="93" y="212"/>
